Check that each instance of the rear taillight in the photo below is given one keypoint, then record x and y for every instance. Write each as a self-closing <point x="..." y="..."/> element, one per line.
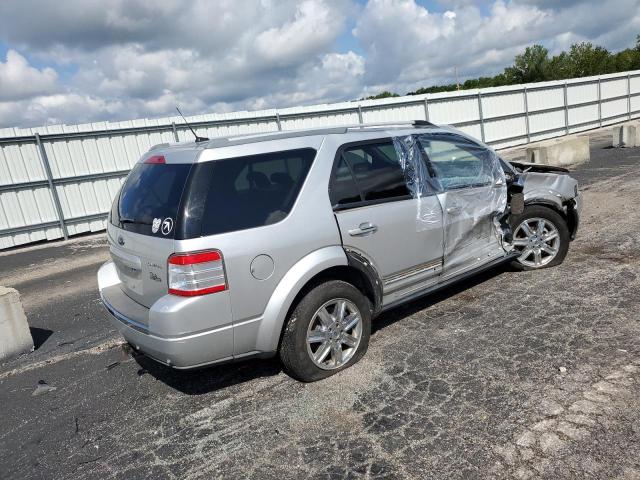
<point x="198" y="273"/>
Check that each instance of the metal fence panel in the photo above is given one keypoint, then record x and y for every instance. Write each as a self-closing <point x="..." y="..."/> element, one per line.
<point x="59" y="180"/>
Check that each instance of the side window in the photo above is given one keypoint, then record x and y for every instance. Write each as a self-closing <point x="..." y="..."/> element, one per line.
<point x="457" y="162"/>
<point x="252" y="191"/>
<point x="343" y="189"/>
<point x="377" y="171"/>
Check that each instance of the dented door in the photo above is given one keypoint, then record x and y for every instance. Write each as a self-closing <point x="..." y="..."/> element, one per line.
<point x="473" y="193"/>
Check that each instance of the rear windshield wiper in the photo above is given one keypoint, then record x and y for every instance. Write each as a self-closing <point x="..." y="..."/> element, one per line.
<point x="130" y="221"/>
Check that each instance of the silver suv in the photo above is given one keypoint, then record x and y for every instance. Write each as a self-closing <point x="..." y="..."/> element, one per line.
<point x="290" y="243"/>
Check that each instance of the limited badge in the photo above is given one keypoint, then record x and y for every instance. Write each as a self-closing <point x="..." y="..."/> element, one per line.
<point x="167" y="226"/>
<point x="156" y="225"/>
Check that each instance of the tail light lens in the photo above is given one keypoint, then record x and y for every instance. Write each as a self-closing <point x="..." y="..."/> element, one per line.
<point x="199" y="273"/>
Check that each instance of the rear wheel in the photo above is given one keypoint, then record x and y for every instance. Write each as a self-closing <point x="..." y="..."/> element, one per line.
<point x="541" y="236"/>
<point x="328" y="331"/>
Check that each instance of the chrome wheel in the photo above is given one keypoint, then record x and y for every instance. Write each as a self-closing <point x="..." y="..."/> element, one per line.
<point x="334" y="334"/>
<point x="538" y="241"/>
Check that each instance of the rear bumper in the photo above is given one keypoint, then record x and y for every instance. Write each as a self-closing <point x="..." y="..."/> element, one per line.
<point x="186" y="352"/>
<point x="150" y="330"/>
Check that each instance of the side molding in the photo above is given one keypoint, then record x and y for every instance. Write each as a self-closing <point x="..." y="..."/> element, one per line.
<point x="286" y="291"/>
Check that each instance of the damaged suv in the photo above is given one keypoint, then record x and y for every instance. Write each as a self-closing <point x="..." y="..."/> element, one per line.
<point x="290" y="243"/>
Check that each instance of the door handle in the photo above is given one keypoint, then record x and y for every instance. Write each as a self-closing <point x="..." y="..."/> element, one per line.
<point x="365" y="228"/>
<point x="454" y="210"/>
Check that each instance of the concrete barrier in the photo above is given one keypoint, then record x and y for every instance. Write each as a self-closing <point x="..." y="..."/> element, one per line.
<point x="563" y="152"/>
<point x="626" y="135"/>
<point x="15" y="336"/>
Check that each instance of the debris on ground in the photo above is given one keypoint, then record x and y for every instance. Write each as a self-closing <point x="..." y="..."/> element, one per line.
<point x="42" y="388"/>
<point x="112" y="365"/>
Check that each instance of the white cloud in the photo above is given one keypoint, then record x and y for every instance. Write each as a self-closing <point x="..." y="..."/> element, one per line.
<point x="423" y="47"/>
<point x="291" y="42"/>
<point x="127" y="59"/>
<point x="19" y="80"/>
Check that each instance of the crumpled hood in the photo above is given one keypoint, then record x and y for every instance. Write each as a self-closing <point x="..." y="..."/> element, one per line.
<point x="549" y="185"/>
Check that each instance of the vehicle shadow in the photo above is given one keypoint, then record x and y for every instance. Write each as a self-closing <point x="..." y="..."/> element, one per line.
<point x="400" y="312"/>
<point x="210" y="379"/>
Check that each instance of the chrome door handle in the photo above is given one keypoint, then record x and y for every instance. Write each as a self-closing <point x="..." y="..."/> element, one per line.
<point x="454" y="210"/>
<point x="365" y="228"/>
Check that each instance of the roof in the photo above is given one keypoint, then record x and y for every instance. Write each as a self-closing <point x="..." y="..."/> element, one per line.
<point x="283" y="134"/>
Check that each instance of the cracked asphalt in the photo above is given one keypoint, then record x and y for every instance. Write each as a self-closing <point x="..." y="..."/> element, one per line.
<point x="509" y="375"/>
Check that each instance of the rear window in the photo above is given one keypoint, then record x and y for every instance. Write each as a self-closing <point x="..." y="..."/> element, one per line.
<point x="149" y="200"/>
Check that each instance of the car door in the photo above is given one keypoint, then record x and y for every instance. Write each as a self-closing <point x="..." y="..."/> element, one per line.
<point x="473" y="192"/>
<point x="378" y="218"/>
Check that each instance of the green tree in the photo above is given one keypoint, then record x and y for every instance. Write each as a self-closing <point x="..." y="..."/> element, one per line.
<point x="587" y="60"/>
<point x="529" y="66"/>
<point x="384" y="94"/>
<point x="626" y="60"/>
<point x="559" y="67"/>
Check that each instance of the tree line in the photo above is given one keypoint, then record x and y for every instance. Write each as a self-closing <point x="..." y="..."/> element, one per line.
<point x="534" y="65"/>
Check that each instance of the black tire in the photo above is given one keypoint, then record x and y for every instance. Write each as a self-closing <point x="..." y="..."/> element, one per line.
<point x="293" y="349"/>
<point x="540" y="211"/>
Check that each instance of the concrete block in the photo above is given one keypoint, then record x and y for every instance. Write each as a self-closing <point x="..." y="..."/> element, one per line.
<point x="561" y="152"/>
<point x="15" y="336"/>
<point x="626" y="135"/>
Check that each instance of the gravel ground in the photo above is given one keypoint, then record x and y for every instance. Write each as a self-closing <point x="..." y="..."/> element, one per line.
<point x="509" y="375"/>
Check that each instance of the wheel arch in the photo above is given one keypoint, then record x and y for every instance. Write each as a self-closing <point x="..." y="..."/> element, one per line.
<point x="275" y="313"/>
<point x="568" y="213"/>
<point x="337" y="264"/>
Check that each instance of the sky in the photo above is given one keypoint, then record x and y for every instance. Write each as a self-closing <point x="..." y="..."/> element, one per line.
<point x="77" y="61"/>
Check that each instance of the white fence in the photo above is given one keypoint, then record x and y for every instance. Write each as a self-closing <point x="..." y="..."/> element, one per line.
<point x="59" y="180"/>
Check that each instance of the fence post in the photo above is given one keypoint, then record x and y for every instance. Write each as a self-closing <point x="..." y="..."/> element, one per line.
<point x="566" y="110"/>
<point x="526" y="115"/>
<point x="278" y="121"/>
<point x="599" y="102"/>
<point x="175" y="131"/>
<point x="426" y="109"/>
<point x="360" y="114"/>
<point x="52" y="188"/>
<point x="629" y="95"/>
<point x="481" y="116"/>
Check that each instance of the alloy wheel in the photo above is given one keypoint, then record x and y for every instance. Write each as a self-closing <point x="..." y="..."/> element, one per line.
<point x="334" y="334"/>
<point x="537" y="240"/>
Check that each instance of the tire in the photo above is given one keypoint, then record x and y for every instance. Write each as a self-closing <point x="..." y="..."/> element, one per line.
<point x="553" y="222"/>
<point x="309" y="330"/>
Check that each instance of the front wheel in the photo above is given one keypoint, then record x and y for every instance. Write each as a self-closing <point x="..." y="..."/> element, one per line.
<point x="541" y="236"/>
<point x="327" y="332"/>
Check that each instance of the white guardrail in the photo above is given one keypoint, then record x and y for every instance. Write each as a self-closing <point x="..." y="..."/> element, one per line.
<point x="58" y="181"/>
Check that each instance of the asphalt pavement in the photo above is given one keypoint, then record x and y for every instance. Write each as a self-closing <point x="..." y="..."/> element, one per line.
<point x="508" y="375"/>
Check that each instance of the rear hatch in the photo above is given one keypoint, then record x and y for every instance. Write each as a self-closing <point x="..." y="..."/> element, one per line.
<point x="142" y="225"/>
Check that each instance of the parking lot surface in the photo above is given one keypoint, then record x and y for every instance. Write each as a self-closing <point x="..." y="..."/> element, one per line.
<point x="509" y="375"/>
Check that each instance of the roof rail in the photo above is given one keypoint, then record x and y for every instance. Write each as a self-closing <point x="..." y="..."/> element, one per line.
<point x="264" y="136"/>
<point x="412" y="123"/>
